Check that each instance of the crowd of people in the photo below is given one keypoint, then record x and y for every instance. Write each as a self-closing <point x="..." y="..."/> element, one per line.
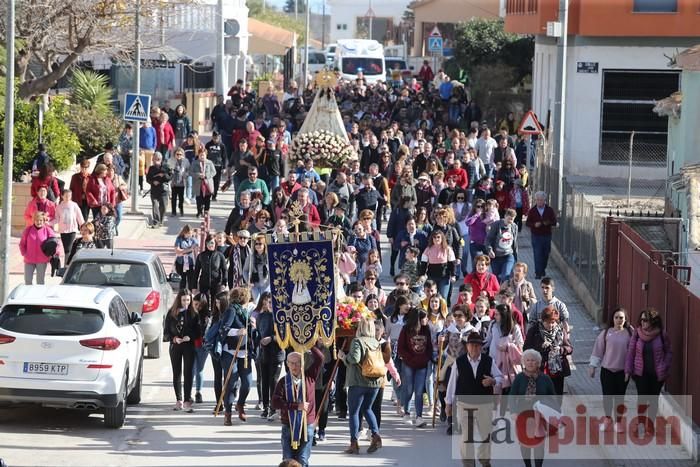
<point x="463" y="317"/>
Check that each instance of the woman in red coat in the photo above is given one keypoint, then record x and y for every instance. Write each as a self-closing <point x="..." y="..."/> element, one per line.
<point x="46" y="178"/>
<point x="483" y="282"/>
<point x="100" y="190"/>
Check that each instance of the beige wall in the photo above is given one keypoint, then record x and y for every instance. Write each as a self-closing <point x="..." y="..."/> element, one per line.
<point x="450" y="11"/>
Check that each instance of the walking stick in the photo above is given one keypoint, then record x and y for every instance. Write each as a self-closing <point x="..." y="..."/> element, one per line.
<point x="437" y="377"/>
<point x="224" y="388"/>
<point x="327" y="391"/>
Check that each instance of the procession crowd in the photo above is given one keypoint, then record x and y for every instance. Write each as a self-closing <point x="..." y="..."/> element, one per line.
<point x="463" y="317"/>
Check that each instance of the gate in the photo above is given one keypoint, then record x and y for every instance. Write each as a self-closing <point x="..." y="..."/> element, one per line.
<point x="636" y="278"/>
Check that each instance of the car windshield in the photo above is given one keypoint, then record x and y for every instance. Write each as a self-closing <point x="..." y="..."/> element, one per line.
<point x="44" y="320"/>
<point x="317" y="58"/>
<point x="369" y="66"/>
<point x="108" y="274"/>
<point x="390" y="64"/>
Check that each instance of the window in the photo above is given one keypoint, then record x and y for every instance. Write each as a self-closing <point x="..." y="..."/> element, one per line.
<point x="369" y="66"/>
<point x="341" y="27"/>
<point x="116" y="315"/>
<point x="46" y="320"/>
<point x="108" y="274"/>
<point x="628" y="99"/>
<point x="655" y="6"/>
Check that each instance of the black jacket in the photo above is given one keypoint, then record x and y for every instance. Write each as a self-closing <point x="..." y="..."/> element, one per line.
<point x="162" y="174"/>
<point x="270" y="353"/>
<point x="181" y="325"/>
<point x="210" y="269"/>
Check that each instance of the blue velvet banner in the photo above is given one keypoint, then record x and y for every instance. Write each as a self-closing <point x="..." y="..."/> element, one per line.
<point x="303" y="293"/>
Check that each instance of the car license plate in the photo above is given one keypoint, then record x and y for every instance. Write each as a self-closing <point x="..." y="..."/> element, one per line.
<point x="60" y="369"/>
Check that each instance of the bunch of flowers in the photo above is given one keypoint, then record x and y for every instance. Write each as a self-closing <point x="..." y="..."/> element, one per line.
<point x="349" y="312"/>
<point x="326" y="149"/>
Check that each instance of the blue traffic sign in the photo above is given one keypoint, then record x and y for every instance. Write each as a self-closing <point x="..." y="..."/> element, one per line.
<point x="435" y="44"/>
<point x="137" y="107"/>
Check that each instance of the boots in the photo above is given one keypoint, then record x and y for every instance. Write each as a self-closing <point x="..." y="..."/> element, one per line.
<point x="241" y="412"/>
<point x="375" y="444"/>
<point x="354" y="448"/>
<point x="227" y="419"/>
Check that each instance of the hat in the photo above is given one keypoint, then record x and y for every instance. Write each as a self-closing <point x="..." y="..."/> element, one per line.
<point x="424" y="177"/>
<point x="214" y="133"/>
<point x="243" y="234"/>
<point x="473" y="338"/>
<point x="342" y="206"/>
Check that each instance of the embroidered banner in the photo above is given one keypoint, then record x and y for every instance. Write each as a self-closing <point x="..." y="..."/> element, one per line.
<point x="303" y="293"/>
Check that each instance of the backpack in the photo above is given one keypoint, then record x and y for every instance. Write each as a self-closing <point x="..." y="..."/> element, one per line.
<point x="372" y="364"/>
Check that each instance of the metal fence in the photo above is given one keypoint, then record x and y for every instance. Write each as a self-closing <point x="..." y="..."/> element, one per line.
<point x="580" y="235"/>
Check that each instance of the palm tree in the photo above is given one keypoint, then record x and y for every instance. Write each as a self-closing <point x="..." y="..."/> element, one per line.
<point x="91" y="90"/>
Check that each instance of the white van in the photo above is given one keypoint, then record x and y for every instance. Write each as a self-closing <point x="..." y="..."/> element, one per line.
<point x="360" y="55"/>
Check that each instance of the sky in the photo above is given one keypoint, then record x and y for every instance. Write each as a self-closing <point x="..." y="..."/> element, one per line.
<point x="316" y="5"/>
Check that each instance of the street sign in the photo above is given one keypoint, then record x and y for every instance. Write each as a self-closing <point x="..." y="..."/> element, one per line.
<point x="586" y="67"/>
<point x="370" y="13"/>
<point x="435" y="45"/>
<point x="530" y="125"/>
<point x="435" y="32"/>
<point x="137" y="107"/>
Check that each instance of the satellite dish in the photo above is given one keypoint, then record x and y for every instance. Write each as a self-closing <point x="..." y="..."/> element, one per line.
<point x="231" y="27"/>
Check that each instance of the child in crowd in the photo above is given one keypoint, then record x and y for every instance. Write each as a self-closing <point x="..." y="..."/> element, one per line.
<point x="524" y="175"/>
<point x="410" y="268"/>
<point x="466" y="291"/>
<point x="483" y="188"/>
<point x="520" y="201"/>
<point x="482" y="316"/>
<point x="105" y="227"/>
<point x="374" y="263"/>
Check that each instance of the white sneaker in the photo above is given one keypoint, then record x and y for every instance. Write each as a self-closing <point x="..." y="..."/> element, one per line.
<point x="407" y="419"/>
<point x="188" y="201"/>
<point x="420" y="423"/>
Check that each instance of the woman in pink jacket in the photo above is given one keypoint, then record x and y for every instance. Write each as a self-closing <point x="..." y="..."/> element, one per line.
<point x="40" y="204"/>
<point x="69" y="218"/>
<point x="30" y="247"/>
<point x="648" y="362"/>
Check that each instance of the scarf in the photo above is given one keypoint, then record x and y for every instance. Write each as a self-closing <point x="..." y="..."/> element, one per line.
<point x="235" y="266"/>
<point x="296" y="417"/>
<point x="648" y="335"/>
<point x="553" y="340"/>
<point x="531" y="389"/>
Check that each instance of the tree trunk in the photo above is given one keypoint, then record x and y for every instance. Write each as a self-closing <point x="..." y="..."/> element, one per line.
<point x="44" y="83"/>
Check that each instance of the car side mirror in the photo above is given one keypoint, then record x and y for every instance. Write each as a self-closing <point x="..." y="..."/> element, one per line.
<point x="174" y="277"/>
<point x="134" y="318"/>
<point x="60" y="272"/>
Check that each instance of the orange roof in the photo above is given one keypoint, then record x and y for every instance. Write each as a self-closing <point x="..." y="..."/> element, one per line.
<point x="268" y="39"/>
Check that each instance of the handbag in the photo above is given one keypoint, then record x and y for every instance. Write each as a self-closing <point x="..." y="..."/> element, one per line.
<point x="122" y="194"/>
<point x="373" y="365"/>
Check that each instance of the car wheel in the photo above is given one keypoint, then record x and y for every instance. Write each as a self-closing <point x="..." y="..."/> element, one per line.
<point x="153" y="348"/>
<point x="135" y="394"/>
<point x="115" y="416"/>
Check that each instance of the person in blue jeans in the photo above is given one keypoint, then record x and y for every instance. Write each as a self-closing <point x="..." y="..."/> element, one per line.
<point x="415" y="349"/>
<point x="362" y="389"/>
<point x="201" y="352"/>
<point x="502" y="245"/>
<point x="288" y="399"/>
<point x="541" y="218"/>
<point x="235" y="326"/>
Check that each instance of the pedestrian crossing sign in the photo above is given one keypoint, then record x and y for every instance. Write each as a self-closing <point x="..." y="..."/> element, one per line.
<point x="136" y="107"/>
<point x="435" y="44"/>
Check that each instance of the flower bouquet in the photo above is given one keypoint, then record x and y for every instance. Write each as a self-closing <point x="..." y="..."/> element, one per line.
<point x="325" y="148"/>
<point x="348" y="313"/>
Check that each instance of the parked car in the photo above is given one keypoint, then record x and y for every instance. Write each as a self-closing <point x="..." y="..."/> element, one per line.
<point x="330" y="54"/>
<point x="317" y="61"/>
<point x="71" y="347"/>
<point x="138" y="277"/>
<point x="391" y="62"/>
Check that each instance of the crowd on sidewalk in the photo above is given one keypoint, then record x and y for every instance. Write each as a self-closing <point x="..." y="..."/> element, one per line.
<point x="463" y="317"/>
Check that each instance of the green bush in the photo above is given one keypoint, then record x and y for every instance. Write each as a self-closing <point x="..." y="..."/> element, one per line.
<point x="91" y="90"/>
<point x="93" y="129"/>
<point x="61" y="143"/>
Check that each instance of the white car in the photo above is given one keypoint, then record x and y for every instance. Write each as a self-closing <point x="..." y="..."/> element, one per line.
<point x="72" y="347"/>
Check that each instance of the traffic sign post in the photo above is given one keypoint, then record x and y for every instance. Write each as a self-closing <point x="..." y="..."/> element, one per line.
<point x="529" y="125"/>
<point x="435" y="45"/>
<point x="137" y="107"/>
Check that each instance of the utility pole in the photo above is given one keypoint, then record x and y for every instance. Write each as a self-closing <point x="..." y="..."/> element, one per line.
<point x="296" y="10"/>
<point x="9" y="151"/>
<point x="137" y="131"/>
<point x="371" y="17"/>
<point x="306" y="46"/>
<point x="560" y="106"/>
<point x="220" y="34"/>
<point x="323" y="26"/>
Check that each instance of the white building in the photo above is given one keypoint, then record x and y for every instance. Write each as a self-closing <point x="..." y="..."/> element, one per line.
<point x="612" y="87"/>
<point x="349" y="19"/>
